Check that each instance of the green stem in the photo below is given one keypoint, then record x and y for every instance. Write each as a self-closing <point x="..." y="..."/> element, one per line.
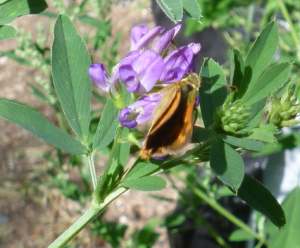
<point x="92" y="169"/>
<point x="88" y="216"/>
<point x="221" y="210"/>
<point x="287" y="17"/>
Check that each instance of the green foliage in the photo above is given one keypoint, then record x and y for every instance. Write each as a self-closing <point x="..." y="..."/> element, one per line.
<point x="212" y="91"/>
<point x="145" y="237"/>
<point x="236" y="112"/>
<point x="239" y="235"/>
<point x="107" y="126"/>
<point x="111" y="232"/>
<point x="288" y="236"/>
<point x="174" y="9"/>
<point x="38" y="125"/>
<point x="272" y="79"/>
<point x="72" y="84"/>
<point x="7" y="32"/>
<point x="146" y="183"/>
<point x="227" y="164"/>
<point x="141" y="169"/>
<point x="11" y="9"/>
<point x="245" y="143"/>
<point x="260" y="198"/>
<point x="260" y="56"/>
<point x="192" y="7"/>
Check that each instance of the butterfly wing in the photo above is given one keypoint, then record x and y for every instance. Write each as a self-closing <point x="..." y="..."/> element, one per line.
<point x="172" y="125"/>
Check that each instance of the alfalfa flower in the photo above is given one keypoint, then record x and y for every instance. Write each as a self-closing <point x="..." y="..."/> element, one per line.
<point x="152" y="61"/>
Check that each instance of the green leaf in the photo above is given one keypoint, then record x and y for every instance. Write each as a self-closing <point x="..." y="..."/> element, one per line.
<point x="172" y="8"/>
<point x="273" y="78"/>
<point x="70" y="63"/>
<point x="261" y="53"/>
<point x="245" y="143"/>
<point x="227" y="164"/>
<point x="285" y="142"/>
<point x="192" y="7"/>
<point x="212" y="91"/>
<point x="265" y="133"/>
<point x="258" y="197"/>
<point x="288" y="236"/>
<point x="141" y="169"/>
<point x="240" y="235"/>
<point x="237" y="71"/>
<point x="200" y="134"/>
<point x="7" y="32"/>
<point x="148" y="183"/>
<point x="124" y="149"/>
<point x="11" y="9"/>
<point x="107" y="126"/>
<point x="38" y="125"/>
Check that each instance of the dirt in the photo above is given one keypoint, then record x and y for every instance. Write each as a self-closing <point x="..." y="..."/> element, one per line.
<point x="32" y="214"/>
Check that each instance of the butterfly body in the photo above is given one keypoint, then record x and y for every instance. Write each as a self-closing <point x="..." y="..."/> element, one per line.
<point x="172" y="125"/>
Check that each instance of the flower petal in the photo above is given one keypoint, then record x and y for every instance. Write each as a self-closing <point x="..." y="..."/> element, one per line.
<point x="166" y="38"/>
<point x="125" y="120"/>
<point x="98" y="75"/>
<point x="140" y="111"/>
<point x="179" y="62"/>
<point x="129" y="77"/>
<point x="140" y="70"/>
<point x="147" y="38"/>
<point x="137" y="32"/>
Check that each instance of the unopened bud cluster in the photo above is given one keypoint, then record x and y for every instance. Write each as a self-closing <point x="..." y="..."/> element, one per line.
<point x="284" y="111"/>
<point x="233" y="116"/>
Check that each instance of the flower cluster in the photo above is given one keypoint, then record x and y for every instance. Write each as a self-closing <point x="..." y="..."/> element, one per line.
<point x="284" y="110"/>
<point x="233" y="117"/>
<point x="152" y="60"/>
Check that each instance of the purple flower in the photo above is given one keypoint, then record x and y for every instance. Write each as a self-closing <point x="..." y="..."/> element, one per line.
<point x="98" y="75"/>
<point x="151" y="61"/>
<point x="156" y="39"/>
<point x="140" y="111"/>
<point x="179" y="62"/>
<point x="140" y="70"/>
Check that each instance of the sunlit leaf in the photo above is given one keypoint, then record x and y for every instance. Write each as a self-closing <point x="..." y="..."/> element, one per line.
<point x="172" y="8"/>
<point x="11" y="9"/>
<point x="192" y="7"/>
<point x="7" y="32"/>
<point x="148" y="183"/>
<point x="37" y="124"/>
<point x="107" y="126"/>
<point x="240" y="235"/>
<point x="142" y="169"/>
<point x="260" y="55"/>
<point x="70" y="63"/>
<point x="273" y="78"/>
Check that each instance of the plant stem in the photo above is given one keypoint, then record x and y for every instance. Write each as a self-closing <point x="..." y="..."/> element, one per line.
<point x="288" y="19"/>
<point x="221" y="210"/>
<point x="92" y="169"/>
<point x="88" y="216"/>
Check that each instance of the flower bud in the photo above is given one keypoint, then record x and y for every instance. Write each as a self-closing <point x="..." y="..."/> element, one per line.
<point x="284" y="110"/>
<point x="232" y="117"/>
